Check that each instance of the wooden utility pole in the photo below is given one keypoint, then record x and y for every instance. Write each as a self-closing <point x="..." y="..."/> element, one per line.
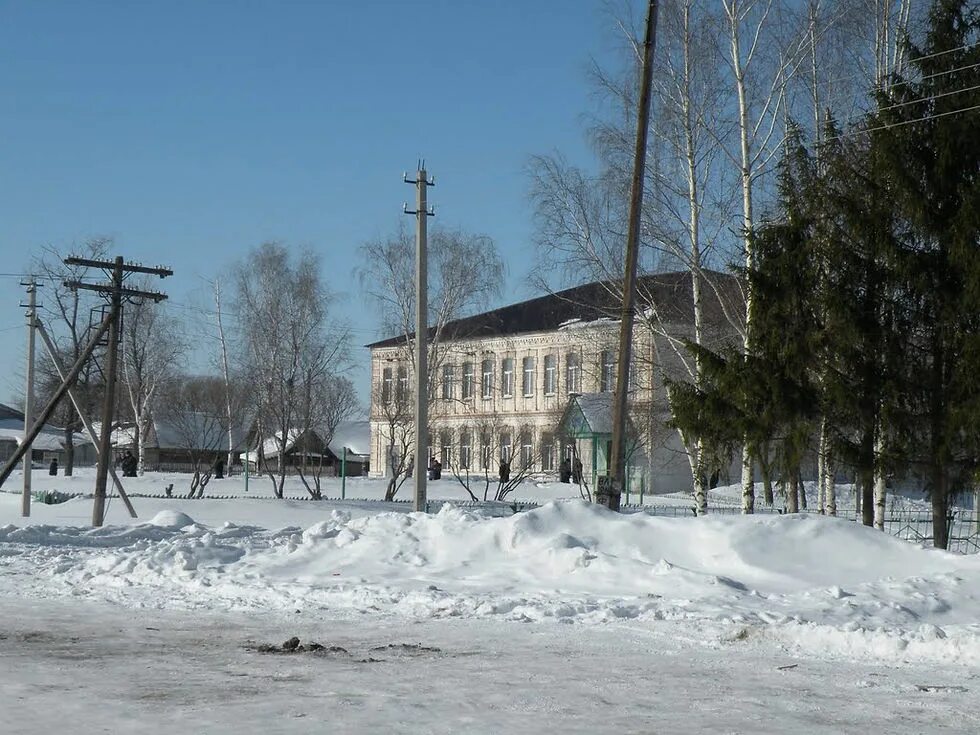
<point x="422" y="212"/>
<point x="29" y="393"/>
<point x="610" y="490"/>
<point x="115" y="292"/>
<point x="52" y="403"/>
<point x="60" y="369"/>
<point x="109" y="400"/>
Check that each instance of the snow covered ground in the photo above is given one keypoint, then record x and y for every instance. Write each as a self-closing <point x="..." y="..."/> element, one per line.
<point x="565" y="618"/>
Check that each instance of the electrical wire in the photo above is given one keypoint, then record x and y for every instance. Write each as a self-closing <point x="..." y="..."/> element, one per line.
<point x="903" y="122"/>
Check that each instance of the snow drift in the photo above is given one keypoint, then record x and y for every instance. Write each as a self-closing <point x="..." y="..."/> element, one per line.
<point x="815" y="583"/>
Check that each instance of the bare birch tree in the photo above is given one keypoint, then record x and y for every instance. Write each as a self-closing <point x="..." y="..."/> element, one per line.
<point x="68" y="314"/>
<point x="150" y="348"/>
<point x="465" y="273"/>
<point x="288" y="342"/>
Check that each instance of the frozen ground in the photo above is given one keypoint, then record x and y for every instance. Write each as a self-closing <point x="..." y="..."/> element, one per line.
<point x="563" y="619"/>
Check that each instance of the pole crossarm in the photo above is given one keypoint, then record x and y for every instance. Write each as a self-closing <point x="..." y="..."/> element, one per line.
<point x="127" y="267"/>
<point x="107" y="289"/>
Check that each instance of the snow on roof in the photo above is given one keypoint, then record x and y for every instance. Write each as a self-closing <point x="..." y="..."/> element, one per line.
<point x="270" y="446"/>
<point x="49" y="440"/>
<point x="355" y="435"/>
<point x="199" y="429"/>
<point x="597" y="408"/>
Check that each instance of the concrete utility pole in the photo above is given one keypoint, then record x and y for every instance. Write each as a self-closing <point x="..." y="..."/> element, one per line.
<point x="115" y="293"/>
<point x="422" y="212"/>
<point x="610" y="489"/>
<point x="29" y="394"/>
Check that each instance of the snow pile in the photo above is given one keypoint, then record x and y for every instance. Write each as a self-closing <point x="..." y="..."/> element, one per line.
<point x="811" y="582"/>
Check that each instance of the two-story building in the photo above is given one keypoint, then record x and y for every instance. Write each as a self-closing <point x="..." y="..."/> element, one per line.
<point x="501" y="382"/>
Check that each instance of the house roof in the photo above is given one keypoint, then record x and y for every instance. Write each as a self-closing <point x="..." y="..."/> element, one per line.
<point x="196" y="427"/>
<point x="669" y="293"/>
<point x="588" y="414"/>
<point x="51" y="438"/>
<point x="355" y="435"/>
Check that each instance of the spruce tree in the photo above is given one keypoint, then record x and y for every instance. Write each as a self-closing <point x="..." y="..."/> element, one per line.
<point x="925" y="150"/>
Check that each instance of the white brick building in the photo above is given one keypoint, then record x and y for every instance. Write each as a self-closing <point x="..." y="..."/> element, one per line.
<point x="500" y="382"/>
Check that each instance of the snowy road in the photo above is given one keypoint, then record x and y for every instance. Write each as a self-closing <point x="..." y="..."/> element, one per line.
<point x="84" y="667"/>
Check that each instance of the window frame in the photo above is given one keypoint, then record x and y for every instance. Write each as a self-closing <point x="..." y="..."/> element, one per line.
<point x="486" y="381"/>
<point x="448" y="382"/>
<point x="467" y="381"/>
<point x="607" y="371"/>
<point x="551" y="374"/>
<point x="465" y="449"/>
<point x="401" y="388"/>
<point x="573" y="373"/>
<point x="528" y="368"/>
<point x="507" y="377"/>
<point x="387" y="384"/>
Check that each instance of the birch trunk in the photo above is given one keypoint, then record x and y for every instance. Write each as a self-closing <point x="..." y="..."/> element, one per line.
<point x="879" y="481"/>
<point x="791" y="488"/>
<point x="745" y="175"/>
<point x="224" y="373"/>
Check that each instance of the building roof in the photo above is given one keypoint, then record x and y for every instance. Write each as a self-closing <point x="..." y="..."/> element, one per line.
<point x="355" y="435"/>
<point x="670" y="293"/>
<point x="50" y="439"/>
<point x="201" y="430"/>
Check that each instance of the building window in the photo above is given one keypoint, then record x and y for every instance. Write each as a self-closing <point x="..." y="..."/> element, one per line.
<point x="550" y="375"/>
<point x="507" y="377"/>
<point x="448" y="379"/>
<point x="528" y="373"/>
<point x="446" y="448"/>
<point x="505" y="448"/>
<point x="547" y="452"/>
<point x="573" y="373"/>
<point x="607" y="371"/>
<point x="401" y="391"/>
<point x="527" y="450"/>
<point x="465" y="450"/>
<point x="386" y="384"/>
<point x="486" y="450"/>
<point x="487" y="379"/>
<point x="467" y="380"/>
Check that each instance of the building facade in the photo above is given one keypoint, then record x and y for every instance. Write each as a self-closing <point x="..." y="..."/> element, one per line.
<point x="501" y="381"/>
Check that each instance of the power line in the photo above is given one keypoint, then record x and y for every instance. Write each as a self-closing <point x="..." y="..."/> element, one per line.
<point x="927" y="99"/>
<point x="875" y="87"/>
<point x="903" y="122"/>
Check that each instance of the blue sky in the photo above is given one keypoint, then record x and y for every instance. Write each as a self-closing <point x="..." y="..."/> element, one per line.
<point x="193" y="131"/>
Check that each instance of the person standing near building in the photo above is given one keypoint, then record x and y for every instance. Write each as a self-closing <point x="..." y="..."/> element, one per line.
<point x="565" y="470"/>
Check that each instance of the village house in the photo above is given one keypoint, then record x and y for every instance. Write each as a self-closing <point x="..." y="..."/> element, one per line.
<point x="531" y="384"/>
<point x="48" y="445"/>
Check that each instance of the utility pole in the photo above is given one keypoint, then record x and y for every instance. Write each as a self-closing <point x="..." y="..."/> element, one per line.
<point x="115" y="292"/>
<point x="109" y="400"/>
<point x="422" y="212"/>
<point x="29" y="394"/>
<point x="609" y="490"/>
<point x="60" y="369"/>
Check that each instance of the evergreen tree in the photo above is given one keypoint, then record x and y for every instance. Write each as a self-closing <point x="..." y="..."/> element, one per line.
<point x="925" y="150"/>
